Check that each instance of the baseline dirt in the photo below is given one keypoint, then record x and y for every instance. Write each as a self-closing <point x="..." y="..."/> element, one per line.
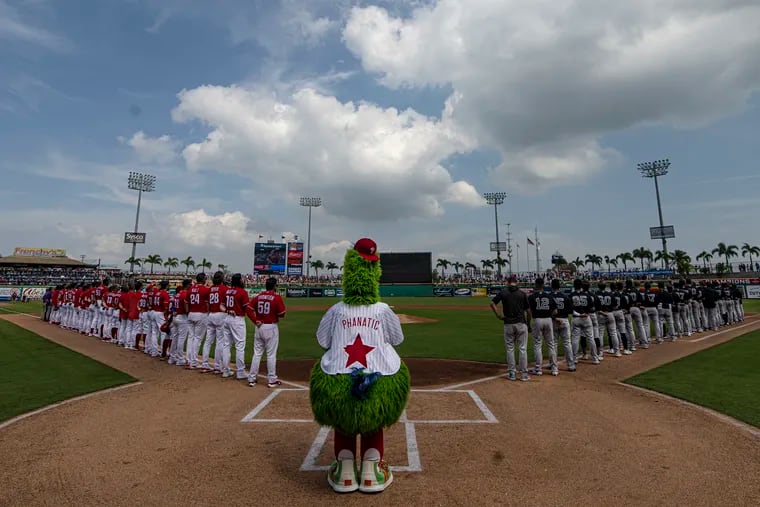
<point x="578" y="438"/>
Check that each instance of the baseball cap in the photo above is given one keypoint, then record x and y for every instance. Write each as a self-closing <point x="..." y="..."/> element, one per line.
<point x="367" y="249"/>
<point x="512" y="279"/>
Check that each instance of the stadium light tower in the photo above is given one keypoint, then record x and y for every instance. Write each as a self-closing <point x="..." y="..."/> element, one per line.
<point x="142" y="183"/>
<point x="496" y="198"/>
<point x="654" y="170"/>
<point x="310" y="202"/>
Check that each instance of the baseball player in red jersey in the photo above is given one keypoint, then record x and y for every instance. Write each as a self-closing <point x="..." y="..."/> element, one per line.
<point x="133" y="315"/>
<point x="54" y="302"/>
<point x="125" y="329"/>
<point x="179" y="328"/>
<point x="112" y="306"/>
<point x="78" y="307"/>
<point x="217" y="320"/>
<point x="99" y="320"/>
<point x="236" y="303"/>
<point x="159" y="305"/>
<point x="196" y="302"/>
<point x="84" y="327"/>
<point x="143" y="325"/>
<point x="265" y="310"/>
<point x="67" y="320"/>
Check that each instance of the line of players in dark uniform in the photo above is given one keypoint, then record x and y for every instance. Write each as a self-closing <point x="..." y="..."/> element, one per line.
<point x="614" y="318"/>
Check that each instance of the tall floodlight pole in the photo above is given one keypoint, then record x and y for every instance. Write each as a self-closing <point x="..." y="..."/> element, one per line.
<point x="142" y="183"/>
<point x="496" y="198"/>
<point x="509" y="248"/>
<point x="310" y="202"/>
<point x="654" y="170"/>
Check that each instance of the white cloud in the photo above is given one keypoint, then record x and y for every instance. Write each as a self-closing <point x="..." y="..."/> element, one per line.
<point x="541" y="82"/>
<point x="218" y="232"/>
<point x="367" y="162"/>
<point x="16" y="29"/>
<point x="161" y="150"/>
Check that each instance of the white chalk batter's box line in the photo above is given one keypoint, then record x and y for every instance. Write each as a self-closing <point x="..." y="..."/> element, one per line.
<point x="414" y="463"/>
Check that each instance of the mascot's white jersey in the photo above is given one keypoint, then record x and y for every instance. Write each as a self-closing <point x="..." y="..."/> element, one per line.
<point x="360" y="337"/>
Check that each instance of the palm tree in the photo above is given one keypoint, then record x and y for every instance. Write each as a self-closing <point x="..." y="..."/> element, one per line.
<point x="443" y="264"/>
<point x="578" y="263"/>
<point x="171" y="262"/>
<point x="625" y="258"/>
<point x="133" y="261"/>
<point x="203" y="264"/>
<point x="331" y="266"/>
<point x="749" y="250"/>
<point x="682" y="261"/>
<point x="457" y="266"/>
<point x="594" y="260"/>
<point x="469" y="266"/>
<point x="642" y="253"/>
<point x="705" y="257"/>
<point x="610" y="261"/>
<point x="317" y="265"/>
<point x="486" y="263"/>
<point x="726" y="251"/>
<point x="153" y="260"/>
<point x="222" y="267"/>
<point x="662" y="255"/>
<point x="188" y="263"/>
<point x="500" y="261"/>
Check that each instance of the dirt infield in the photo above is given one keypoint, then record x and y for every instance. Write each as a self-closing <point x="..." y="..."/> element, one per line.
<point x="178" y="438"/>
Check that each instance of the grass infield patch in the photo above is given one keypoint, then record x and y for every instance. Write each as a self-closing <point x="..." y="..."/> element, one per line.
<point x="37" y="372"/>
<point x="724" y="378"/>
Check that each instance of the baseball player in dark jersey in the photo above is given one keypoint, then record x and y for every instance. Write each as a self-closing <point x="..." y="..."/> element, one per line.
<point x="594" y="318"/>
<point x="582" y="327"/>
<point x="607" y="320"/>
<point x="542" y="309"/>
<point x="710" y="296"/>
<point x="625" y="325"/>
<point x="665" y="310"/>
<point x="684" y="309"/>
<point x="738" y="302"/>
<point x="651" y="304"/>
<point x="516" y="319"/>
<point x="561" y="323"/>
<point x="697" y="324"/>
<point x="635" y="311"/>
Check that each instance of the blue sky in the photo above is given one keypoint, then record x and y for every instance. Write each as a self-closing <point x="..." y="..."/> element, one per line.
<point x="399" y="114"/>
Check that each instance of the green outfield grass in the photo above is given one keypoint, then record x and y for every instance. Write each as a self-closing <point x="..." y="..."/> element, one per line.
<point x="724" y="378"/>
<point x="38" y="372"/>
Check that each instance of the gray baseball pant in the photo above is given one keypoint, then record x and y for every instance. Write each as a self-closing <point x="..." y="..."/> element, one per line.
<point x="516" y="333"/>
<point x="562" y="332"/>
<point x="696" y="317"/>
<point x="666" y="318"/>
<point x="620" y="324"/>
<point x="654" y="317"/>
<point x="629" y="331"/>
<point x="683" y="314"/>
<point x="543" y="329"/>
<point x="607" y="321"/>
<point x="582" y="326"/>
<point x="638" y="319"/>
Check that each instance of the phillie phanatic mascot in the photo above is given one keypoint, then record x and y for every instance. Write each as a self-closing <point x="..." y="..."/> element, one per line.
<point x="360" y="385"/>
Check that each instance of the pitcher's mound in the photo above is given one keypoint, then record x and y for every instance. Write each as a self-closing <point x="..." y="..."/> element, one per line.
<point x="411" y="319"/>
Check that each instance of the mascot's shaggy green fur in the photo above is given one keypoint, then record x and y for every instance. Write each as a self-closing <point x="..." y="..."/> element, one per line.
<point x="360" y="385"/>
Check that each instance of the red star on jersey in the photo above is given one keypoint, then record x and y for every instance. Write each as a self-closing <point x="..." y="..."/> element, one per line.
<point x="357" y="352"/>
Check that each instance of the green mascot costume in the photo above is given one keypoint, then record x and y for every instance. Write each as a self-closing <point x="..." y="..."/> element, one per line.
<point x="360" y="385"/>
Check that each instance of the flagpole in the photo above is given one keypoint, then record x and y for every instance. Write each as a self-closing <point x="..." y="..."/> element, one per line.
<point x="538" y="260"/>
<point x="527" y="253"/>
<point x="518" y="257"/>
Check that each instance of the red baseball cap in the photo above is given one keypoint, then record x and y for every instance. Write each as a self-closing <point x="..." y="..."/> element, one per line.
<point x="367" y="249"/>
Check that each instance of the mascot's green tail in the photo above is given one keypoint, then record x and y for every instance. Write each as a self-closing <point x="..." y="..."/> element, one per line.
<point x="333" y="403"/>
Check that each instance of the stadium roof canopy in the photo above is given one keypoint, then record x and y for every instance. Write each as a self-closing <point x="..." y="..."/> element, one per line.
<point x="42" y="262"/>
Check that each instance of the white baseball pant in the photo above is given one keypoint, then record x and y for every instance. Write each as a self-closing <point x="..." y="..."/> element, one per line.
<point x="266" y="338"/>
<point x="236" y="331"/>
<point x="196" y="322"/>
<point x="215" y="329"/>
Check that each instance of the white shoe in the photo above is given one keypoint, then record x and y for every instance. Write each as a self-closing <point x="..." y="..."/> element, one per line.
<point x="342" y="474"/>
<point x="627" y="352"/>
<point x="376" y="475"/>
<point x="618" y="354"/>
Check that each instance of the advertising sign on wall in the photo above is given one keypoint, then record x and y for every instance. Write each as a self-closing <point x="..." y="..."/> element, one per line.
<point x="295" y="258"/>
<point x="443" y="291"/>
<point x="20" y="251"/>
<point x="269" y="258"/>
<point x="295" y="293"/>
<point x="752" y="291"/>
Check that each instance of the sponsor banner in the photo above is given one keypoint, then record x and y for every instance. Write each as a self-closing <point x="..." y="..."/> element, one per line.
<point x="33" y="293"/>
<point x="752" y="291"/>
<point x="134" y="237"/>
<point x="20" y="251"/>
<point x="5" y="293"/>
<point x="479" y="292"/>
<point x="443" y="291"/>
<point x="269" y="258"/>
<point x="295" y="258"/>
<point x="737" y="281"/>
<point x="315" y="292"/>
<point x="463" y="291"/>
<point x="296" y="292"/>
<point x="330" y="292"/>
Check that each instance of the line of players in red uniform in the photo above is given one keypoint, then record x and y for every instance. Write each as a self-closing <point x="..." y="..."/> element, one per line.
<point x="173" y="326"/>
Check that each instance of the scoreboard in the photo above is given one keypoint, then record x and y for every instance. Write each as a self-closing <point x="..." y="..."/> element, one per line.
<point x="412" y="267"/>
